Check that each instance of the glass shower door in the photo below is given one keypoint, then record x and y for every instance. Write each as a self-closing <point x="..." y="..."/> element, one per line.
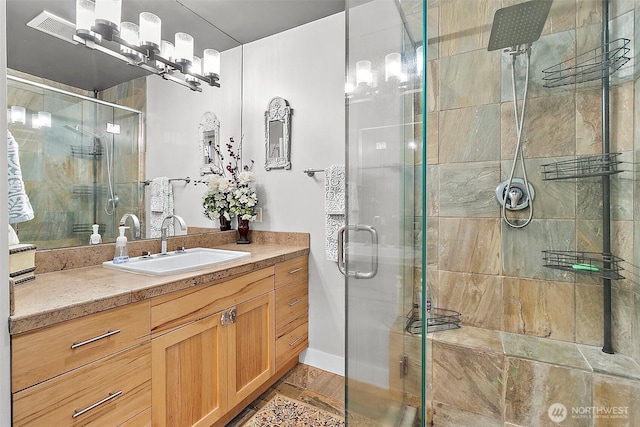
<point x="381" y="239"/>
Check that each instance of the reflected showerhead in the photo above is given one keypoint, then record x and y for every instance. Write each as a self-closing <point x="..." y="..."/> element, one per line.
<point x="518" y="24"/>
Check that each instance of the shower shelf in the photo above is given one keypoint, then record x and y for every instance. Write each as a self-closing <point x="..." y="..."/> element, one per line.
<point x="86" y="228"/>
<point x="589" y="263"/>
<point x="82" y="151"/>
<point x="582" y="167"/>
<point x="588" y="66"/>
<point x="438" y="319"/>
<point x="88" y="190"/>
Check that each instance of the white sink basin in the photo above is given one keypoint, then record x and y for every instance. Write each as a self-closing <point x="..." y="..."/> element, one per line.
<point x="178" y="262"/>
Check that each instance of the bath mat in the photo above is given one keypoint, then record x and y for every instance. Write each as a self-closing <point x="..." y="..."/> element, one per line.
<point x="286" y="412"/>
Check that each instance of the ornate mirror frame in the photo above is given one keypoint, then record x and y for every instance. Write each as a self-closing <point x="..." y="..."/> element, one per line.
<point x="277" y="132"/>
<point x="209" y="133"/>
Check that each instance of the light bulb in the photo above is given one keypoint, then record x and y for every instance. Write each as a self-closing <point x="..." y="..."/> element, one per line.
<point x="108" y="17"/>
<point x="184" y="48"/>
<point x="129" y="32"/>
<point x="393" y="66"/>
<point x="167" y="52"/>
<point x="85" y="18"/>
<point x="211" y="63"/>
<point x="18" y="114"/>
<point x="363" y="73"/>
<point x="150" y="31"/>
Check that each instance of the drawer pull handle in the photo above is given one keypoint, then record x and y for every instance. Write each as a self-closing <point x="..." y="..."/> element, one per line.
<point x="295" y="270"/>
<point x="294" y="342"/>
<point x="94" y="339"/>
<point x="291" y="304"/>
<point x="111" y="396"/>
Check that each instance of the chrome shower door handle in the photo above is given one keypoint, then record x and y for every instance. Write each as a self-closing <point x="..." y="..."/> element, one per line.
<point x="341" y="231"/>
<point x="374" y="253"/>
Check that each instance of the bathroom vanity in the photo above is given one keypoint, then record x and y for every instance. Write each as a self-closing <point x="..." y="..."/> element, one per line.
<point x="104" y="347"/>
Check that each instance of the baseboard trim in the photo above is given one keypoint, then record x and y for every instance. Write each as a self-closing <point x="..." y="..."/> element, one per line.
<point x="321" y="360"/>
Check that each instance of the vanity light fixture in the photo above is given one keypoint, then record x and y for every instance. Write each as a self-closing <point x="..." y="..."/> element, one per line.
<point x="98" y="27"/>
<point x="363" y="73"/>
<point x="393" y="66"/>
<point x="41" y="120"/>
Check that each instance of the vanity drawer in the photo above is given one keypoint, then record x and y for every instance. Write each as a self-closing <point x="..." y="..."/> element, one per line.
<point x="291" y="303"/>
<point x="108" y="392"/>
<point x="292" y="342"/>
<point x="293" y="270"/>
<point x="45" y="353"/>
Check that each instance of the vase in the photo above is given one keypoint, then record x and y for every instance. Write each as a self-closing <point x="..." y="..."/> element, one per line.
<point x="243" y="230"/>
<point x="225" y="224"/>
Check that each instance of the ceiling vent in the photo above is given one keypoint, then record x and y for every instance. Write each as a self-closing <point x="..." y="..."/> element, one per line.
<point x="54" y="25"/>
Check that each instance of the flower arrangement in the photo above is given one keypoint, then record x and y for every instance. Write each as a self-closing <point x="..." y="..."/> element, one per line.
<point x="231" y="192"/>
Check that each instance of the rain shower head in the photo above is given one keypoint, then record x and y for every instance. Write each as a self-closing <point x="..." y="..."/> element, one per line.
<point x="518" y="24"/>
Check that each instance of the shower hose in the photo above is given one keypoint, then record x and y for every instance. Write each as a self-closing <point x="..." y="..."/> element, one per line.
<point x="519" y="123"/>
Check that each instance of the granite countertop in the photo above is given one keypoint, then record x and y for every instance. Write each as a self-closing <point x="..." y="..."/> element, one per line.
<point x="58" y="296"/>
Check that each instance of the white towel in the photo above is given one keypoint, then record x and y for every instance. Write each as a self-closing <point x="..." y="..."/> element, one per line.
<point x="20" y="208"/>
<point x="161" y="206"/>
<point x="334" y="190"/>
<point x="334" y="206"/>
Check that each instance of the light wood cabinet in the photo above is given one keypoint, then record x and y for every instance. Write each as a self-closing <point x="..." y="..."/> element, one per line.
<point x="206" y="367"/>
<point x="292" y="310"/>
<point x="77" y="342"/>
<point x="93" y="370"/>
<point x="194" y="357"/>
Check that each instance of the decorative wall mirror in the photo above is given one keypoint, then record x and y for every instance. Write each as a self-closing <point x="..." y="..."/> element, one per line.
<point x="277" y="131"/>
<point x="209" y="131"/>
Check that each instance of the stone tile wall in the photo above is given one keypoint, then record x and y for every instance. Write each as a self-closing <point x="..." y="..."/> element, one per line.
<point x="489" y="272"/>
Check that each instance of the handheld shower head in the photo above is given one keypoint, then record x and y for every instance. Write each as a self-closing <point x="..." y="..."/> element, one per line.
<point x="519" y="24"/>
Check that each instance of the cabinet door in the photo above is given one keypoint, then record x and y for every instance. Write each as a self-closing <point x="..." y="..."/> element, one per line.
<point x="189" y="370"/>
<point x="251" y="347"/>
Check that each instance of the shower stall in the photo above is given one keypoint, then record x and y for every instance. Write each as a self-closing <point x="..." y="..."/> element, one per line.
<point x="454" y="317"/>
<point x="80" y="169"/>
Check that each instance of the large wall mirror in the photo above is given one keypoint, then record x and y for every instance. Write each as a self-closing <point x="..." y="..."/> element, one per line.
<point x="78" y="173"/>
<point x="277" y="128"/>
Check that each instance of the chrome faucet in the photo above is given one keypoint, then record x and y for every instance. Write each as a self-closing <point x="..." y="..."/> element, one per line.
<point x="163" y="230"/>
<point x="136" y="224"/>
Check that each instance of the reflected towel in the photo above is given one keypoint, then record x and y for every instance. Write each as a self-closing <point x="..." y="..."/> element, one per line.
<point x="161" y="206"/>
<point x="334" y="207"/>
<point x="20" y="208"/>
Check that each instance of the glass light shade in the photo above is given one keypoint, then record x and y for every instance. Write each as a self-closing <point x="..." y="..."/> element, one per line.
<point x="393" y="66"/>
<point x="183" y="48"/>
<point x="109" y="11"/>
<point x="420" y="58"/>
<point x="44" y="118"/>
<point x="150" y="31"/>
<point x="363" y="72"/>
<point x="130" y="32"/>
<point x="35" y="121"/>
<point x="85" y="15"/>
<point x="195" y="68"/>
<point x="348" y="86"/>
<point x="167" y="52"/>
<point x="211" y="63"/>
<point x="18" y="114"/>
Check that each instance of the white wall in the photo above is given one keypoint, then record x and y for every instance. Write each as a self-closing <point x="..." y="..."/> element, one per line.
<point x="5" y="355"/>
<point x="173" y="116"/>
<point x="305" y="66"/>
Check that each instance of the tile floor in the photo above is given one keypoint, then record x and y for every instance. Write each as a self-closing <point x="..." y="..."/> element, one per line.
<point x="307" y="384"/>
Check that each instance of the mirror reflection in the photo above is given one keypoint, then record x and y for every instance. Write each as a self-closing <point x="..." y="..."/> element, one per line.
<point x="277" y="132"/>
<point x="79" y="169"/>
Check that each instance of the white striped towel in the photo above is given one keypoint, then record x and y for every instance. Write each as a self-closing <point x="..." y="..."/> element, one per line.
<point x="20" y="208"/>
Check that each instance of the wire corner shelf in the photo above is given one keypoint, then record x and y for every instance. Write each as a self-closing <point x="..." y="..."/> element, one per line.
<point x="438" y="319"/>
<point x="598" y="264"/>
<point x="595" y="64"/>
<point x="582" y="167"/>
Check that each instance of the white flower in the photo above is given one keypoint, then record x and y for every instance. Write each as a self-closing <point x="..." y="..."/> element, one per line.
<point x="246" y="177"/>
<point x="225" y="185"/>
<point x="214" y="182"/>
